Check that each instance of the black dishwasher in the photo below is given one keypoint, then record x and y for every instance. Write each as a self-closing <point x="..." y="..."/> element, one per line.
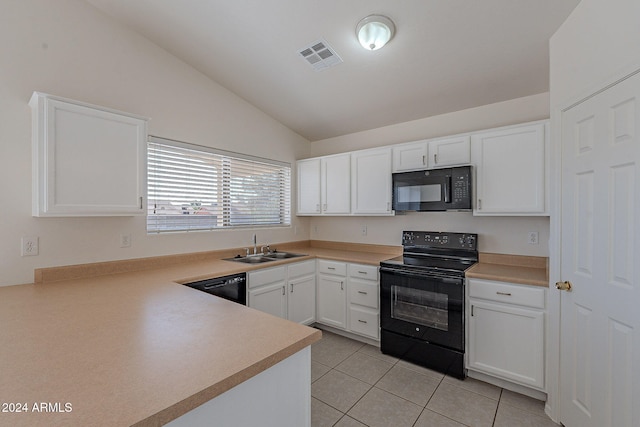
<point x="232" y="287"/>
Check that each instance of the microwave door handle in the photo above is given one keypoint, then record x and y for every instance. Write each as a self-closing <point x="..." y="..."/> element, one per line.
<point x="447" y="189"/>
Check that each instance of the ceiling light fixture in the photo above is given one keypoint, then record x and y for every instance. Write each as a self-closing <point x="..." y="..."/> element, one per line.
<point x="375" y="31"/>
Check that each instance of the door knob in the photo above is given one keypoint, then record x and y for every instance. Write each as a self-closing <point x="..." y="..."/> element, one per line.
<point x="564" y="286"/>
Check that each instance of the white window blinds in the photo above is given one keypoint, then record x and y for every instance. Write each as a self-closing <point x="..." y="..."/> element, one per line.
<point x="199" y="188"/>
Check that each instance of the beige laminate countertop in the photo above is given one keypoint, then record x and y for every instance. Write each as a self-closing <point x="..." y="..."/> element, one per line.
<point x="137" y="348"/>
<point x="511" y="268"/>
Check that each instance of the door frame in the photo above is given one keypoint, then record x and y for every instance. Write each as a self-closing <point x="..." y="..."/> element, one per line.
<point x="552" y="357"/>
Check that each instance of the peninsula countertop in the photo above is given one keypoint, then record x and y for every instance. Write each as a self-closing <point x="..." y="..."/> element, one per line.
<point x="136" y="347"/>
<point x="129" y="349"/>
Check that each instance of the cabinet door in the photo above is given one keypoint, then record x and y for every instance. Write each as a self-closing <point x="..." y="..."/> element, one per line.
<point x="409" y="157"/>
<point x="510" y="171"/>
<point x="332" y="301"/>
<point x="88" y="161"/>
<point x="336" y="188"/>
<point x="371" y="182"/>
<point x="271" y="299"/>
<point x="302" y="300"/>
<point x="448" y="152"/>
<point x="309" y="187"/>
<point x="507" y="342"/>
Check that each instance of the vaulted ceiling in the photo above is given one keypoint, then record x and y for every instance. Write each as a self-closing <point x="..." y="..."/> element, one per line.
<point x="447" y="55"/>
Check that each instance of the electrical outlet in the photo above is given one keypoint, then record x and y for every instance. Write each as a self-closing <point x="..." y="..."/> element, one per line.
<point x="532" y="237"/>
<point x="363" y="230"/>
<point x="29" y="246"/>
<point x="125" y="240"/>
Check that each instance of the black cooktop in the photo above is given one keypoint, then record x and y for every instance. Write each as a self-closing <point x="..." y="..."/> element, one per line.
<point x="436" y="252"/>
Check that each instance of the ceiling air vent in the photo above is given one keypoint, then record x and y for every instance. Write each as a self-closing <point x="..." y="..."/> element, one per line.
<point x="320" y="55"/>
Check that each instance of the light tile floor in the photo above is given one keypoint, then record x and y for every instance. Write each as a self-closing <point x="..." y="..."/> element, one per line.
<point x="355" y="385"/>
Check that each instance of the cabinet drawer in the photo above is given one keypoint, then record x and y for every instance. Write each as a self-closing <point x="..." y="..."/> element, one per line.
<point x="302" y="269"/>
<point x="529" y="296"/>
<point x="268" y="275"/>
<point x="364" y="321"/>
<point x="363" y="293"/>
<point x="366" y="272"/>
<point x="332" y="267"/>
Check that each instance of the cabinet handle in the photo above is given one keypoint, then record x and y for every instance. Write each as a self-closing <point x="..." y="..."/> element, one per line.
<point x="479" y="204"/>
<point x="292" y="288"/>
<point x="362" y="272"/>
<point x="362" y="292"/>
<point x="318" y="207"/>
<point x="504" y="293"/>
<point x="141" y="202"/>
<point x="324" y="207"/>
<point x="284" y="291"/>
<point x="341" y="285"/>
<point x="472" y="311"/>
<point x="362" y="321"/>
<point x="423" y="157"/>
<point x="331" y="268"/>
<point x="435" y="159"/>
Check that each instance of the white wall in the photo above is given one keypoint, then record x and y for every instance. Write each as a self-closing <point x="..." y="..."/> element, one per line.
<point x="598" y="42"/>
<point x="526" y="109"/>
<point x="498" y="234"/>
<point x="70" y="49"/>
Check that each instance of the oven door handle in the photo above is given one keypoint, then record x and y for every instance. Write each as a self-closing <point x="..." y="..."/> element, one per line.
<point x="406" y="273"/>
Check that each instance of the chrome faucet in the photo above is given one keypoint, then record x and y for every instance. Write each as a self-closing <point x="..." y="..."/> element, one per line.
<point x="255" y="244"/>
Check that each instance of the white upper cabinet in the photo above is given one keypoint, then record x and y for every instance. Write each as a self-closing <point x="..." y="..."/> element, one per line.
<point x="429" y="154"/>
<point x="511" y="173"/>
<point x="87" y="160"/>
<point x="411" y="156"/>
<point x="449" y="152"/>
<point x="336" y="176"/>
<point x="371" y="182"/>
<point x="309" y="187"/>
<point x="324" y="185"/>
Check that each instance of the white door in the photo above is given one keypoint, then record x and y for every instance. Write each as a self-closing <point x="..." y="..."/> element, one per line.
<point x="600" y="238"/>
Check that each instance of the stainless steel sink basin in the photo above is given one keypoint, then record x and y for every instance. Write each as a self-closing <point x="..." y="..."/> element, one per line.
<point x="258" y="259"/>
<point x="282" y="255"/>
<point x="251" y="259"/>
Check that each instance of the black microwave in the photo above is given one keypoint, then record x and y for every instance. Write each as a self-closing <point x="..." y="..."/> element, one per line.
<point x="447" y="189"/>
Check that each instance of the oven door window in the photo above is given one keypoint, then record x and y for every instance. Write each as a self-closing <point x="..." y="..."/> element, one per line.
<point x="421" y="307"/>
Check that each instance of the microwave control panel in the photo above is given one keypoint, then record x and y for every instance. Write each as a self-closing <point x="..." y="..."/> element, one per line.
<point x="461" y="185"/>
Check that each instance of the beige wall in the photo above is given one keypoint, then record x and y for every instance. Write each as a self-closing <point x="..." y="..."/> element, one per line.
<point x="496" y="234"/>
<point x="70" y="49"/>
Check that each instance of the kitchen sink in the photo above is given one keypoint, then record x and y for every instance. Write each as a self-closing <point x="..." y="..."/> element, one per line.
<point x="258" y="259"/>
<point x="283" y="255"/>
<point x="251" y="259"/>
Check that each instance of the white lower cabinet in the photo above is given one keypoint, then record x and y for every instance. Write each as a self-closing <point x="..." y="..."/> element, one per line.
<point x="506" y="336"/>
<point x="267" y="291"/>
<point x="271" y="299"/>
<point x="332" y="301"/>
<point x="287" y="291"/>
<point x="301" y="299"/>
<point x="348" y="297"/>
<point x="364" y="310"/>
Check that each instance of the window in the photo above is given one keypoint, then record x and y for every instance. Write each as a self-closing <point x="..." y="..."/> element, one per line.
<point x="199" y="188"/>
